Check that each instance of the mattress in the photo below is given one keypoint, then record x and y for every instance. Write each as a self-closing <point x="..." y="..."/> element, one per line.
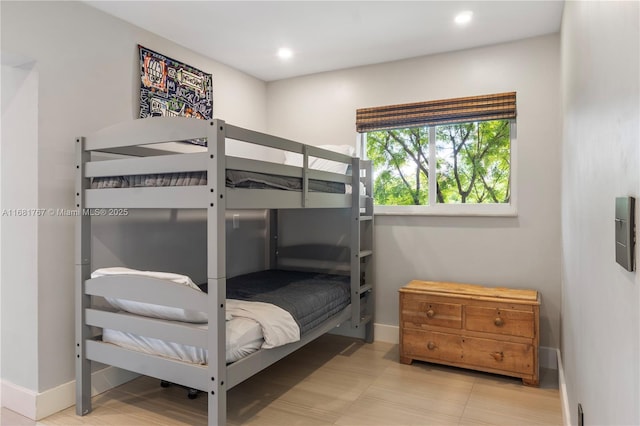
<point x="244" y="336"/>
<point x="311" y="298"/>
<point x="306" y="298"/>
<point x="234" y="179"/>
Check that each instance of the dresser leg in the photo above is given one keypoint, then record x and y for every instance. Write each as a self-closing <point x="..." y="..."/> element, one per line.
<point x="531" y="382"/>
<point x="405" y="360"/>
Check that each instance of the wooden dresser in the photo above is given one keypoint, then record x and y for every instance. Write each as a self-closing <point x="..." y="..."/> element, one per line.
<point x="489" y="329"/>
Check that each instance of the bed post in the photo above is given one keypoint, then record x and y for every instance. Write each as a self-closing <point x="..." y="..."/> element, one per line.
<point x="355" y="242"/>
<point x="272" y="239"/>
<point x="216" y="273"/>
<point x="82" y="273"/>
<point x="368" y="273"/>
<point x="305" y="176"/>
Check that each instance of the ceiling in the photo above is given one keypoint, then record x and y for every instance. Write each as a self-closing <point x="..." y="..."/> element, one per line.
<point x="331" y="35"/>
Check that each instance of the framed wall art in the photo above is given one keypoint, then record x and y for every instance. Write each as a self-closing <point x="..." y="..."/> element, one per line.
<point x="171" y="88"/>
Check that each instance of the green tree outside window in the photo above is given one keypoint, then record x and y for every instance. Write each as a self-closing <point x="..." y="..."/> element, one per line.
<point x="473" y="164"/>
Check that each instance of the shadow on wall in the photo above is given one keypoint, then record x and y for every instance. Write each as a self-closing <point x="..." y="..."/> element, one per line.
<point x="176" y="241"/>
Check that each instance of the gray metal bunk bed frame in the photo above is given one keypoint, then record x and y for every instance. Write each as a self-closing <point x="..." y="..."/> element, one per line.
<point x="134" y="139"/>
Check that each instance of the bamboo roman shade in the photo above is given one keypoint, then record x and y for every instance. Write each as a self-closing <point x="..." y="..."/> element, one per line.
<point x="447" y="111"/>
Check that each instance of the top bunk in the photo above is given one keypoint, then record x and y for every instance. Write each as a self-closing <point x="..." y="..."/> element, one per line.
<point x="160" y="162"/>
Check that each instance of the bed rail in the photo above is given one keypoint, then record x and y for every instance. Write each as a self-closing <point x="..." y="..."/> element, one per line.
<point x="190" y="375"/>
<point x="246" y="367"/>
<point x="147" y="131"/>
<point x="138" y="137"/>
<point x="175" y="163"/>
<point x="194" y="375"/>
<point x="172" y="197"/>
<point x="178" y="129"/>
<point x="147" y="290"/>
<point x="170" y="331"/>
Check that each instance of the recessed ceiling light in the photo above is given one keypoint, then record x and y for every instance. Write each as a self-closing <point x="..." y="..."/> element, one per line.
<point x="285" y="53"/>
<point x="463" y="18"/>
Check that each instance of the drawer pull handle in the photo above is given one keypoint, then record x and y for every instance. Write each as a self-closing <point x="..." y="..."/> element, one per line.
<point x="499" y="322"/>
<point x="431" y="346"/>
<point x="498" y="356"/>
<point x="430" y="313"/>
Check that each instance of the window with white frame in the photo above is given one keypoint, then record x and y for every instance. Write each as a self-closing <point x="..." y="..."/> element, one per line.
<point x="442" y="157"/>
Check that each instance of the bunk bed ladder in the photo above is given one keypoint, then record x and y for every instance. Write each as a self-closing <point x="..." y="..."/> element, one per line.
<point x="362" y="248"/>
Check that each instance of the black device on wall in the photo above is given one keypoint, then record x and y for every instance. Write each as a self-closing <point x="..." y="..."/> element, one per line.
<point x="625" y="232"/>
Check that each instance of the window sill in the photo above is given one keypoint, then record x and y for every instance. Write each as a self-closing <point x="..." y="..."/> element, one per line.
<point x="458" y="210"/>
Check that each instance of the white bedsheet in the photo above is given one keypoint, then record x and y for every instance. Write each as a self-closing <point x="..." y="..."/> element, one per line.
<point x="249" y="327"/>
<point x="278" y="326"/>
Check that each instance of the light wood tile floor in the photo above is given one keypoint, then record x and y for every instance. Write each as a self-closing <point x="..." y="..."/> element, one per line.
<point x="335" y="381"/>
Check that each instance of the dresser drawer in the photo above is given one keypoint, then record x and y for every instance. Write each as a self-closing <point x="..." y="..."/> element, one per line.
<point x="499" y="321"/>
<point x="506" y="356"/>
<point x="493" y="329"/>
<point x="418" y="310"/>
<point x="431" y="345"/>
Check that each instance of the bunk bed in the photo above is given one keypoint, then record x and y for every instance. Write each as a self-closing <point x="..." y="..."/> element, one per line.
<point x="149" y="173"/>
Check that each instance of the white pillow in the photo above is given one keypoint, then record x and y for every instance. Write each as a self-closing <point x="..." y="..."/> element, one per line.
<point x="293" y="159"/>
<point x="151" y="310"/>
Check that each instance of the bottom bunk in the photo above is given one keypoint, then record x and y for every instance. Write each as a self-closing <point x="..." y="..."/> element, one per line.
<point x="269" y="314"/>
<point x="195" y="375"/>
<point x="264" y="309"/>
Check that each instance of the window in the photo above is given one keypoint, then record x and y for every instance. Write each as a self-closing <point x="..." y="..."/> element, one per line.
<point x="447" y="163"/>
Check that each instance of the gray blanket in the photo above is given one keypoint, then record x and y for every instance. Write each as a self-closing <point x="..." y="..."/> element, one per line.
<point x="234" y="179"/>
<point x="253" y="180"/>
<point x="311" y="298"/>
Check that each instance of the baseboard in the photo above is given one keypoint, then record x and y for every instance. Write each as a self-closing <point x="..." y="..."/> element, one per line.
<point x="19" y="399"/>
<point x="564" y="397"/>
<point x="386" y="333"/>
<point x="547" y="357"/>
<point x="37" y="406"/>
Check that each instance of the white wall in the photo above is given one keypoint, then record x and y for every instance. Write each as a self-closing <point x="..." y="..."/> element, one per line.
<point x="19" y="277"/>
<point x="600" y="161"/>
<point x="88" y="79"/>
<point x="521" y="252"/>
